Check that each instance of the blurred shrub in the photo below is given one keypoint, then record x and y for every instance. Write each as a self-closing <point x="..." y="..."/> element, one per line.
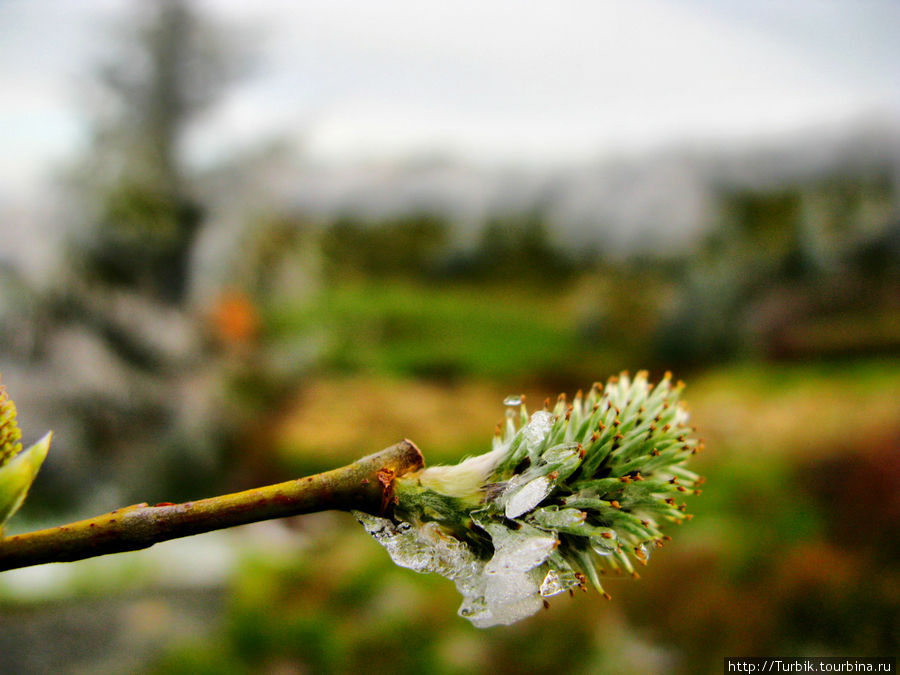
<point x="406" y="248"/>
<point x="785" y="269"/>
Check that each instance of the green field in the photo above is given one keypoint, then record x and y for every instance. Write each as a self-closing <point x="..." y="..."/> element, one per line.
<point x="445" y="332"/>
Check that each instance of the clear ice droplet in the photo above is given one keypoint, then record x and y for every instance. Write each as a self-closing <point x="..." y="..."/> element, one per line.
<point x="512" y="597"/>
<point x="423" y="549"/>
<point x="604" y="546"/>
<point x="643" y="552"/>
<point x="514" y="400"/>
<point x="515" y="551"/>
<point x="528" y="496"/>
<point x="558" y="582"/>
<point x="509" y="587"/>
<point x="500" y="599"/>
<point x="537" y="428"/>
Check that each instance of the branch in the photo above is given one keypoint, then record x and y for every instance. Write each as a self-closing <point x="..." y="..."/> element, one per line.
<point x="366" y="485"/>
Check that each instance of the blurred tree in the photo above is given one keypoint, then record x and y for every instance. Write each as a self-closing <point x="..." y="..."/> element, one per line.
<point x="172" y="67"/>
<point x="519" y="248"/>
<point x="142" y="396"/>
<point x="512" y="248"/>
<point x="798" y="270"/>
<point x="409" y="247"/>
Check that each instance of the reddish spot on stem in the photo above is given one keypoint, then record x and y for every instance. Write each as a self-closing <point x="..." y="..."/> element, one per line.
<point x="386" y="478"/>
<point x="164" y="504"/>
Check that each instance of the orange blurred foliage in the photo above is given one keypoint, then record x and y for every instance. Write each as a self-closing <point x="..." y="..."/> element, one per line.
<point x="235" y="319"/>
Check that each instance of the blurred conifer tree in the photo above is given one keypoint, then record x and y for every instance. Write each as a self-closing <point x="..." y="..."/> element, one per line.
<point x="171" y="67"/>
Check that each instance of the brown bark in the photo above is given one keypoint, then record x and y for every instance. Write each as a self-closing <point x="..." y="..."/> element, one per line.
<point x="365" y="485"/>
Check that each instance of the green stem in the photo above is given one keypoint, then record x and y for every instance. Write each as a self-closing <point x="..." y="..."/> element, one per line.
<point x="366" y="485"/>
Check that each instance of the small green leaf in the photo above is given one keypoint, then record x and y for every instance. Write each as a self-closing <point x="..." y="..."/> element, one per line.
<point x="17" y="475"/>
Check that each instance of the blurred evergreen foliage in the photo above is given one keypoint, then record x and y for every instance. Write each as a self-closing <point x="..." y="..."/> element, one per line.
<point x="784" y="265"/>
<point x="121" y="360"/>
<point x="512" y="248"/>
<point x="519" y="248"/>
<point x="169" y="69"/>
<point x="408" y="247"/>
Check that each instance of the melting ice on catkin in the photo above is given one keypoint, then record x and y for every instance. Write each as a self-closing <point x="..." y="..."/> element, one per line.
<point x="566" y="495"/>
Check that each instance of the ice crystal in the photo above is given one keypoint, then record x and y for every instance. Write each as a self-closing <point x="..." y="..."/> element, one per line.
<point x="507" y="588"/>
<point x="556" y="582"/>
<point x="423" y="549"/>
<point x="604" y="546"/>
<point x="525" y="497"/>
<point x="537" y="429"/>
<point x="518" y="550"/>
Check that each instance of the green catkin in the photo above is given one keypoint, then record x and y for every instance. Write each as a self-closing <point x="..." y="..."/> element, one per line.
<point x="18" y="468"/>
<point x="10" y="435"/>
<point x="599" y="476"/>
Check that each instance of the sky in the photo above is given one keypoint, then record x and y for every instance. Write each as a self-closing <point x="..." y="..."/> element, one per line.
<point x="492" y="81"/>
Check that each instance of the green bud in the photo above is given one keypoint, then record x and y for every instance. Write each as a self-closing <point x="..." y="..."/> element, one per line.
<point x="9" y="429"/>
<point x="17" y="468"/>
<point x="17" y="475"/>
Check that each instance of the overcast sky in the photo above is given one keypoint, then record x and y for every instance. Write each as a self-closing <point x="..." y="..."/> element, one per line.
<point x="487" y="81"/>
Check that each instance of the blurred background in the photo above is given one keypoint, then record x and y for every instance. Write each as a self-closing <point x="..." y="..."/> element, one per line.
<point x="242" y="242"/>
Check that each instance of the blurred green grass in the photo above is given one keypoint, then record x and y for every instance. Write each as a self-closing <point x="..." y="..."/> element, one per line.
<point x="443" y="332"/>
